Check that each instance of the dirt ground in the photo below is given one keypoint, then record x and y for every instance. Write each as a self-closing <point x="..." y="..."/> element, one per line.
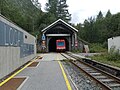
<point x="34" y="64"/>
<point x="12" y="84"/>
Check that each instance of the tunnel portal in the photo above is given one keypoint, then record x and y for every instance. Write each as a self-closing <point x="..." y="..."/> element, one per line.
<point x="59" y="30"/>
<point x="52" y="44"/>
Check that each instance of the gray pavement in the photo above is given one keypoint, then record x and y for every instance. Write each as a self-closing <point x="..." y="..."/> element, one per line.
<point x="46" y="76"/>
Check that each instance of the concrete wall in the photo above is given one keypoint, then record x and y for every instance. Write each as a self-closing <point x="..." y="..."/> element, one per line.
<point x="114" y="42"/>
<point x="10" y="58"/>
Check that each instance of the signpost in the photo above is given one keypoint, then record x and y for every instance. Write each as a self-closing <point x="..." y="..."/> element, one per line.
<point x="43" y="42"/>
<point x="43" y="37"/>
<point x="76" y="43"/>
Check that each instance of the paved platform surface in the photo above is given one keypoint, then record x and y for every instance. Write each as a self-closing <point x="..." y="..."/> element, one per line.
<point x="46" y="76"/>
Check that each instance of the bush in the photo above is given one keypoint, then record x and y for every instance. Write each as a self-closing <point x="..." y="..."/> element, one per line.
<point x="113" y="54"/>
<point x="96" y="48"/>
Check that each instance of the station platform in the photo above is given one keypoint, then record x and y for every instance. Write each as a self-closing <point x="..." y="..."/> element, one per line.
<point x="47" y="75"/>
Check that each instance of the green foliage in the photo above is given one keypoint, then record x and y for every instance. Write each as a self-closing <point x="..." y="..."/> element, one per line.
<point x="89" y="31"/>
<point x="22" y="12"/>
<point x="36" y="3"/>
<point x="58" y="9"/>
<point x="76" y="51"/>
<point x="97" y="48"/>
<point x="99" y="16"/>
<point x="113" y="54"/>
<point x="28" y="15"/>
<point x="108" y="15"/>
<point x="112" y="58"/>
<point x="107" y="59"/>
<point x="99" y="29"/>
<point x="62" y="11"/>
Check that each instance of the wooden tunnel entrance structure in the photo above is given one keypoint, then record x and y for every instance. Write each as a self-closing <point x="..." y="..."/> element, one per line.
<point x="59" y="30"/>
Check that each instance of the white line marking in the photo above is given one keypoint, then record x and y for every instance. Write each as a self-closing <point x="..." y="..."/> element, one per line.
<point x="19" y="88"/>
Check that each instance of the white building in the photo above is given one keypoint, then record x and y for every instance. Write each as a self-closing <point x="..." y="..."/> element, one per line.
<point x="114" y="42"/>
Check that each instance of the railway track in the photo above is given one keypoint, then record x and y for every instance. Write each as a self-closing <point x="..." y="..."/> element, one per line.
<point x="107" y="81"/>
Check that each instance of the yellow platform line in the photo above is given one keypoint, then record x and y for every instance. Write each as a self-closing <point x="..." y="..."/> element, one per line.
<point x="6" y="80"/>
<point x="65" y="76"/>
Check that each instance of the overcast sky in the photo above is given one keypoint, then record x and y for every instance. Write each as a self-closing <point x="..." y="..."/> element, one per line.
<point x="82" y="9"/>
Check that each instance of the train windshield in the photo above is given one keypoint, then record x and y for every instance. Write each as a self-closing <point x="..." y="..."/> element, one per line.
<point x="60" y="43"/>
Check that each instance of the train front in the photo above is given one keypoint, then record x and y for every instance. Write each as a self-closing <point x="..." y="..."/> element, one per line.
<point x="60" y="45"/>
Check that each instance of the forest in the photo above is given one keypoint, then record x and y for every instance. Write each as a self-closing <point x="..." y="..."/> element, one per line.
<point x="28" y="15"/>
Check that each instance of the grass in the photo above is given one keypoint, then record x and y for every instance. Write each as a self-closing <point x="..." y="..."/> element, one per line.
<point x="76" y="51"/>
<point x="97" y="47"/>
<point x="111" y="58"/>
<point x="107" y="59"/>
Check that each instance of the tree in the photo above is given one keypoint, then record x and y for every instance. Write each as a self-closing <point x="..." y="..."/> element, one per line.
<point x="51" y="6"/>
<point x="100" y="15"/>
<point x="62" y="11"/>
<point x="36" y="3"/>
<point x="21" y="12"/>
<point x="108" y="14"/>
<point x="89" y="31"/>
<point x="58" y="8"/>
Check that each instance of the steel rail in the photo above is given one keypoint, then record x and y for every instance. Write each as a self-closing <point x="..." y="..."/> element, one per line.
<point x="104" y="87"/>
<point x="109" y="76"/>
<point x="104" y="72"/>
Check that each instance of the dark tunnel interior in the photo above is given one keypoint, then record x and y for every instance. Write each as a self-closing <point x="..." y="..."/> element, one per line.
<point x="52" y="44"/>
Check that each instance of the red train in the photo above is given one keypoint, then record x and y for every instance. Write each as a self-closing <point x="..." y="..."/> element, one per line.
<point x="60" y="45"/>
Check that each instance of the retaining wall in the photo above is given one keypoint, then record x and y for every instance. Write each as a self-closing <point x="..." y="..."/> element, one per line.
<point x="16" y="46"/>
